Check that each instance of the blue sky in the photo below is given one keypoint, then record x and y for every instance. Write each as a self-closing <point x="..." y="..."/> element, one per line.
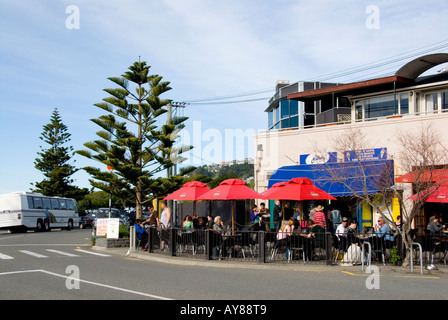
<point x="205" y="48"/>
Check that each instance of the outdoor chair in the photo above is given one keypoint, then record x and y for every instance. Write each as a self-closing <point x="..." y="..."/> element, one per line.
<point x="378" y="248"/>
<point x="296" y="247"/>
<point x="281" y="245"/>
<point x="340" y="245"/>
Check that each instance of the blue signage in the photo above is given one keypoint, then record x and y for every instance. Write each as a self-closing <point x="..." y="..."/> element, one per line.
<point x="365" y="155"/>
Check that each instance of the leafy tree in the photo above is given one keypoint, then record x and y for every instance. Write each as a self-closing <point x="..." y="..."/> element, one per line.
<point x="133" y="142"/>
<point x="54" y="161"/>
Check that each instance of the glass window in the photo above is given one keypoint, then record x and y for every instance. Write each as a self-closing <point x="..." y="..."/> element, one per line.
<point x="404" y="103"/>
<point x="37" y="203"/>
<point x="358" y="106"/>
<point x="46" y="203"/>
<point x="30" y="202"/>
<point x="284" y="106"/>
<point x="294" y="107"/>
<point x="55" y="204"/>
<point x="294" y="122"/>
<point x="285" y="123"/>
<point x="63" y="204"/>
<point x="70" y="204"/>
<point x="277" y="115"/>
<point x="379" y="107"/>
<point x="431" y="102"/>
<point x="270" y="119"/>
<point x="445" y="100"/>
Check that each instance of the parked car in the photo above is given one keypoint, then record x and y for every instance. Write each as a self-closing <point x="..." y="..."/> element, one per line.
<point x="86" y="221"/>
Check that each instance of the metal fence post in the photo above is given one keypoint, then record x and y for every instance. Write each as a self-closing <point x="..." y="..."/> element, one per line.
<point x="329" y="248"/>
<point x="173" y="244"/>
<point x="261" y="247"/>
<point x="208" y="244"/>
<point x="132" y="238"/>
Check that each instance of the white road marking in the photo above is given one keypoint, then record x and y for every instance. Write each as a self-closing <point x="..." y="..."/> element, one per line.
<point x="94" y="253"/>
<point x="5" y="257"/>
<point x="34" y="254"/>
<point x="88" y="282"/>
<point x="62" y="253"/>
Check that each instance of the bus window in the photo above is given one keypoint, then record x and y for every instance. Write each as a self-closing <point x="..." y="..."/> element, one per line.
<point x="70" y="204"/>
<point x="55" y="204"/>
<point x="30" y="202"/>
<point x="63" y="204"/>
<point x="37" y="202"/>
<point x="46" y="203"/>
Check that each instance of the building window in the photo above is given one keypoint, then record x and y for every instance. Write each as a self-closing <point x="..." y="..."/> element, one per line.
<point x="284" y="106"/>
<point x="358" y="106"/>
<point x="404" y="103"/>
<point x="431" y="102"/>
<point x="379" y="107"/>
<point x="270" y="119"/>
<point x="445" y="100"/>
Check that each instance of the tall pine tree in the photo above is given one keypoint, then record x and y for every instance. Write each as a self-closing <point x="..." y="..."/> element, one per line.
<point x="134" y="142"/>
<point x="54" y="161"/>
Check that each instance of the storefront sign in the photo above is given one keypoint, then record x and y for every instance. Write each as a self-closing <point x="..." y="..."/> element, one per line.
<point x="318" y="158"/>
<point x="365" y="155"/>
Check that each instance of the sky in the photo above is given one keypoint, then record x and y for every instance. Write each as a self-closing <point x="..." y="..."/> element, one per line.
<point x="59" y="54"/>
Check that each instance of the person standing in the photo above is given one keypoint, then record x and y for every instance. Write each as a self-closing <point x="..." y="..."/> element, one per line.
<point x="165" y="223"/>
<point x="276" y="215"/>
<point x="319" y="217"/>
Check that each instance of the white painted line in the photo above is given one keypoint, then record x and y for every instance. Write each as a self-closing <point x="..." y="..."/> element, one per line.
<point x="63" y="253"/>
<point x="5" y="257"/>
<point x="94" y="253"/>
<point x="34" y="254"/>
<point x="89" y="282"/>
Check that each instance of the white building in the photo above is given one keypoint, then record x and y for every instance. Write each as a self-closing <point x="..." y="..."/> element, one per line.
<point x="306" y="117"/>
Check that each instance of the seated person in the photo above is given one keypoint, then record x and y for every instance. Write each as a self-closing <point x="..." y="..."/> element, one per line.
<point x="382" y="232"/>
<point x="351" y="233"/>
<point x="141" y="232"/>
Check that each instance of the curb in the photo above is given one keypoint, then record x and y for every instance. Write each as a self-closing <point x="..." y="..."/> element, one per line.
<point x="266" y="266"/>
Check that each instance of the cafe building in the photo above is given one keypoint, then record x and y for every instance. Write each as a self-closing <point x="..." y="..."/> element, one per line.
<point x="304" y="118"/>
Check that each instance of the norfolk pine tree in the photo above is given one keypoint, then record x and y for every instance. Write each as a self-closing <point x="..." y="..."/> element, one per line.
<point x="54" y="162"/>
<point x="132" y="143"/>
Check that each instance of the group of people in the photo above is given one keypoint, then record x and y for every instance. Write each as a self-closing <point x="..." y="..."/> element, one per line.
<point x="153" y="220"/>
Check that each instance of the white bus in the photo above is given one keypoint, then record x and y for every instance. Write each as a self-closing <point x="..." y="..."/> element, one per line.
<point x="20" y="211"/>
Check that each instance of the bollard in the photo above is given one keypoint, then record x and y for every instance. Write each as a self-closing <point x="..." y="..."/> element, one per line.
<point x="261" y="247"/>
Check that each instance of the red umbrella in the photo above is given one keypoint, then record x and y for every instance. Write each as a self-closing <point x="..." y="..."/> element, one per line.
<point x="437" y="195"/>
<point x="274" y="188"/>
<point x="299" y="189"/>
<point x="231" y="189"/>
<point x="190" y="191"/>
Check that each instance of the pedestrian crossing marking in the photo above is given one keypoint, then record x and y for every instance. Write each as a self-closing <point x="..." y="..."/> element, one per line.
<point x="34" y="254"/>
<point x="94" y="253"/>
<point x="5" y="257"/>
<point x="63" y="253"/>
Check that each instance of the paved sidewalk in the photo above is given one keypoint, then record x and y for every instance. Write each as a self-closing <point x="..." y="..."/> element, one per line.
<point x="162" y="258"/>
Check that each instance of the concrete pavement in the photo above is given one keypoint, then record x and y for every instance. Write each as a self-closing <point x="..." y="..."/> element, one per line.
<point x="162" y="258"/>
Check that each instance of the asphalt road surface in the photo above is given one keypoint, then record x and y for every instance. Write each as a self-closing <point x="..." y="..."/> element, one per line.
<point x="61" y="265"/>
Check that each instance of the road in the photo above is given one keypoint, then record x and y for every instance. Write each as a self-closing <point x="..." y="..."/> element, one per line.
<point x="60" y="265"/>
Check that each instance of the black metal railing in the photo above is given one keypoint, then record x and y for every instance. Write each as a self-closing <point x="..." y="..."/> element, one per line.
<point x="264" y="247"/>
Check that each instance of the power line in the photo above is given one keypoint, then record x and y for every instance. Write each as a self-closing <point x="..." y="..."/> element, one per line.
<point x="385" y="62"/>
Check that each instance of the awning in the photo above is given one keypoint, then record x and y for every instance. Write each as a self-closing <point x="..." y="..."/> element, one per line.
<point x="424" y="176"/>
<point x="362" y="177"/>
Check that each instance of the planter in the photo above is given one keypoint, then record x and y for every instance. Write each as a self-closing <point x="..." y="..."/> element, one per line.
<point x="111" y="243"/>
